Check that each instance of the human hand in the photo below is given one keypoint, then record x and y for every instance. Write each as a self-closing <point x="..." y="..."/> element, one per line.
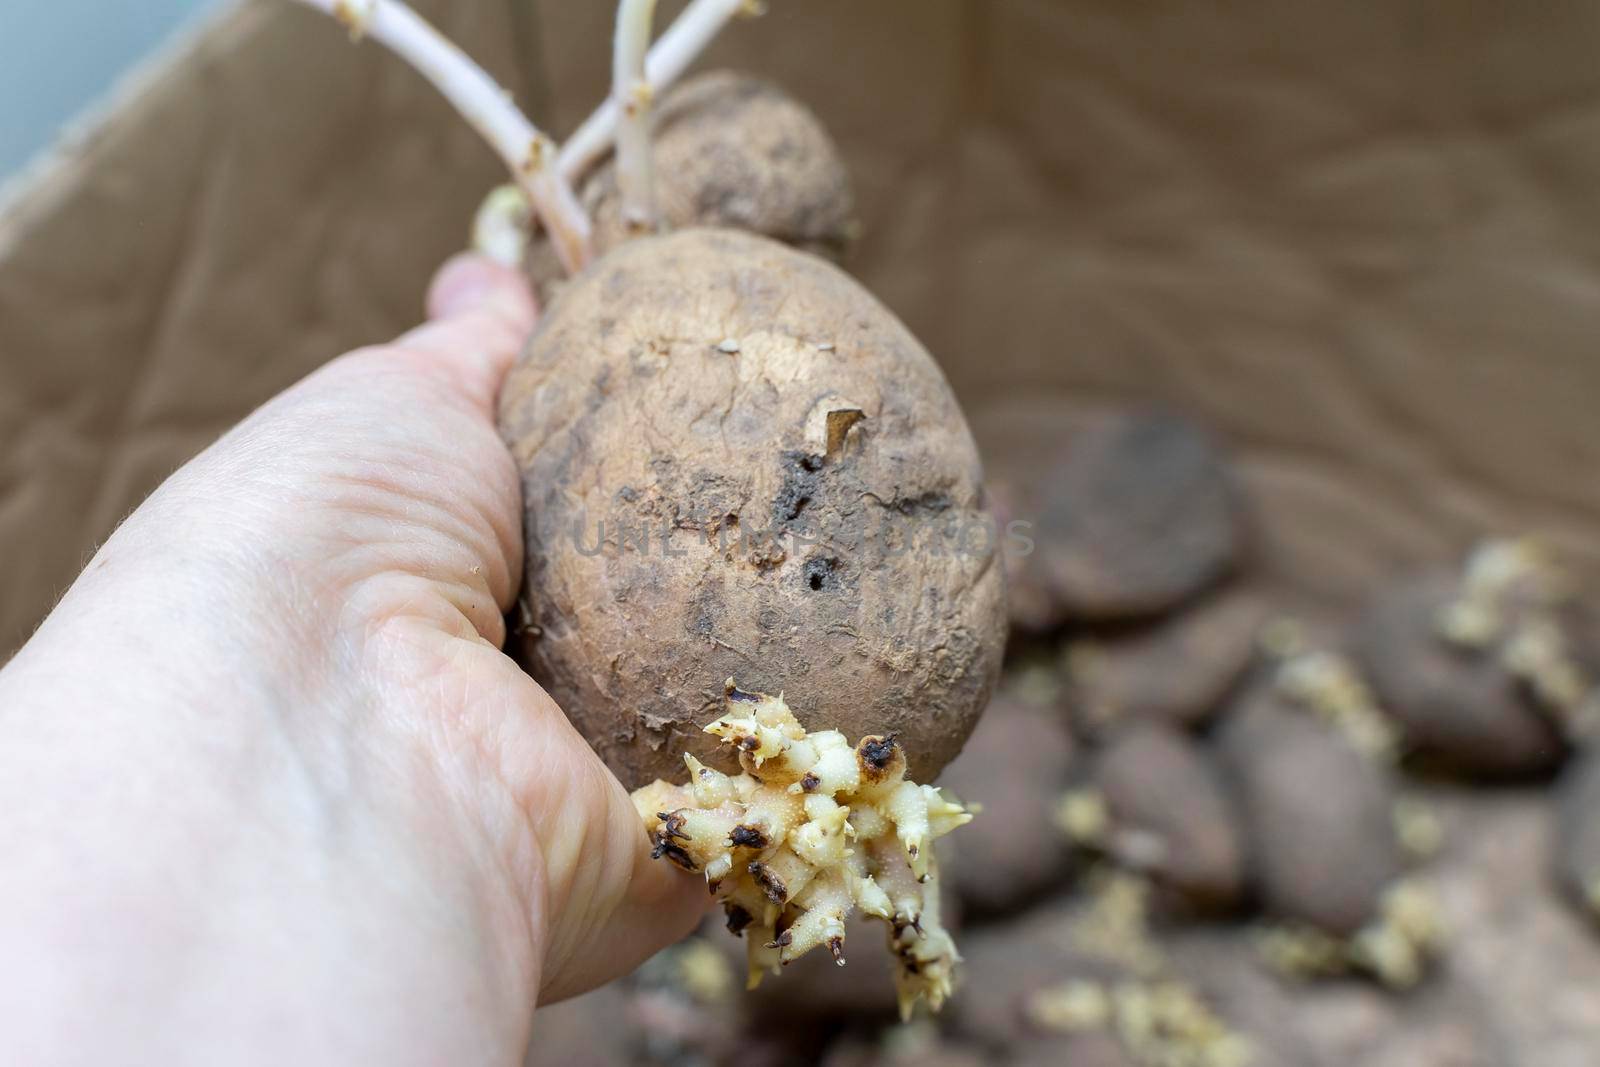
<point x="273" y="792"/>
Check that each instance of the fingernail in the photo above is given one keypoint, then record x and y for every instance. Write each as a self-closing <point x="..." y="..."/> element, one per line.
<point x="463" y="282"/>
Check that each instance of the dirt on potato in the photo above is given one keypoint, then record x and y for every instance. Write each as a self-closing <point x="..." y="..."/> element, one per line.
<point x="736" y="463"/>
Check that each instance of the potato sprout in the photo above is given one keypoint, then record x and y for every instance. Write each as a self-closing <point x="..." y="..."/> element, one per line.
<point x="532" y="157"/>
<point x="811" y="831"/>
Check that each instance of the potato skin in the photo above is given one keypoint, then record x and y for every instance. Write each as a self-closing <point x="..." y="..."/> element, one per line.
<point x="732" y="150"/>
<point x="682" y="386"/>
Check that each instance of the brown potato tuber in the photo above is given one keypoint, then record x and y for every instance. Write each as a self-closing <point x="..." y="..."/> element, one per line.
<point x="1169" y="815"/>
<point x="1013" y="768"/>
<point x="1178" y="670"/>
<point x="733" y="151"/>
<point x="737" y="463"/>
<point x="1488" y="673"/>
<point x="1131" y="514"/>
<point x="1319" y="818"/>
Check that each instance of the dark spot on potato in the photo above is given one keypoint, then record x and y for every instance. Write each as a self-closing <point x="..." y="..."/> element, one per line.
<point x="747" y="837"/>
<point x="930" y="502"/>
<point x="818" y="573"/>
<point x="769" y="882"/>
<point x="800" y="484"/>
<point x="877" y="751"/>
<point x="810" y="782"/>
<point x="877" y="756"/>
<point x="738" y="919"/>
<point x="674" y="853"/>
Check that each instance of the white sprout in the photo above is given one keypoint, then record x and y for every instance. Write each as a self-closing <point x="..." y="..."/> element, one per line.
<point x="527" y="152"/>
<point x="631" y="94"/>
<point x="502" y="227"/>
<point x="685" y="39"/>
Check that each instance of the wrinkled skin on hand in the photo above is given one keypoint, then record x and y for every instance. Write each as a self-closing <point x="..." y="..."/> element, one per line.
<point x="268" y="756"/>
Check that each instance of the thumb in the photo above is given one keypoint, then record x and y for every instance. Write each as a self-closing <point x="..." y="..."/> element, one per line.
<point x="481" y="313"/>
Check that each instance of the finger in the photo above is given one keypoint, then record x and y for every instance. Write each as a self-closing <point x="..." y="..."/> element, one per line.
<point x="660" y="906"/>
<point x="609" y="905"/>
<point x="481" y="315"/>
<point x="465" y="279"/>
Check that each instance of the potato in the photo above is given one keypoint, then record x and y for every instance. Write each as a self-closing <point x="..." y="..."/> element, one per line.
<point x="1130" y="514"/>
<point x="738" y="464"/>
<point x="1318" y="816"/>
<point x="1014" y="769"/>
<point x="1171" y="815"/>
<point x="730" y="150"/>
<point x="1006" y="966"/>
<point x="1177" y="671"/>
<point x="1084" y="984"/>
<point x="1459" y="708"/>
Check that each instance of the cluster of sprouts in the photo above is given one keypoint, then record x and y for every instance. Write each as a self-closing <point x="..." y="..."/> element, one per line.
<point x="1160" y="1023"/>
<point x="1159" y="1019"/>
<point x="813" y="830"/>
<point x="543" y="172"/>
<point x="1507" y="604"/>
<point x="1394" y="946"/>
<point x="1330" y="686"/>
